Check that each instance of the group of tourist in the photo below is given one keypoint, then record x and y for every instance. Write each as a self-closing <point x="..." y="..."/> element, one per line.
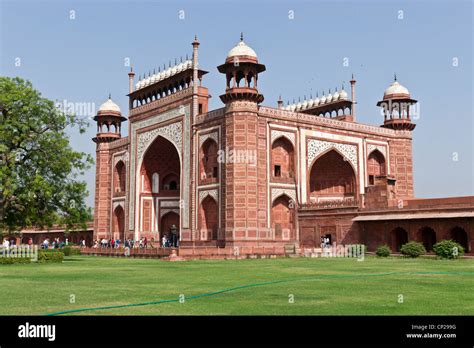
<point x="325" y="242"/>
<point x="55" y="244"/>
<point x="172" y="242"/>
<point x="142" y="243"/>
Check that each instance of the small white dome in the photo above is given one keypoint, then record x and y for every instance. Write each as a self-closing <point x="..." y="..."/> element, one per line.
<point x="323" y="99"/>
<point x="153" y="78"/>
<point x="180" y="67"/>
<point x="190" y="64"/>
<point x="396" y="88"/>
<point x="241" y="49"/>
<point x="137" y="85"/>
<point x="109" y="105"/>
<point x="329" y="98"/>
<point x="316" y="101"/>
<point x="298" y="106"/>
<point x="167" y="73"/>
<point x="343" y="95"/>
<point x="310" y="103"/>
<point x="174" y="70"/>
<point x="304" y="105"/>
<point x="292" y="107"/>
<point x="335" y="96"/>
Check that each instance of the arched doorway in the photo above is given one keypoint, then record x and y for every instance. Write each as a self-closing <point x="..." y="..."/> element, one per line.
<point x="208" y="218"/>
<point x="398" y="237"/>
<point x="119" y="223"/>
<point x="331" y="178"/>
<point x="428" y="238"/>
<point x="375" y="166"/>
<point x="159" y="178"/>
<point x="282" y="159"/>
<point x="459" y="235"/>
<point x="170" y="223"/>
<point x="282" y="218"/>
<point x="208" y="164"/>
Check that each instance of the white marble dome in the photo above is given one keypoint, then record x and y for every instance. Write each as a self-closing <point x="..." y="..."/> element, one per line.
<point x="109" y="105"/>
<point x="343" y="95"/>
<point x="241" y="49"/>
<point x="396" y="88"/>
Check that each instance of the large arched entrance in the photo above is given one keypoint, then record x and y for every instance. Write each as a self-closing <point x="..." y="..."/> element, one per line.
<point x="459" y="235"/>
<point x="119" y="223"/>
<point x="160" y="178"/>
<point x="208" y="218"/>
<point x="282" y="218"/>
<point x="331" y="178"/>
<point x="398" y="237"/>
<point x="428" y="238"/>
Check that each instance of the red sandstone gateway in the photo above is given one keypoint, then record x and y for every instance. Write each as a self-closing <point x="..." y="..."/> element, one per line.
<point x="316" y="171"/>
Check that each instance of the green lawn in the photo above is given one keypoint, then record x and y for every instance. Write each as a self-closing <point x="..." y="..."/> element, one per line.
<point x="260" y="286"/>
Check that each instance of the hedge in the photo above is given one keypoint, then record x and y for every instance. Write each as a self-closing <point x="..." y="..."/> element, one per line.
<point x="448" y="249"/>
<point x="14" y="260"/>
<point x="68" y="251"/>
<point x="48" y="256"/>
<point x="383" y="251"/>
<point x="413" y="249"/>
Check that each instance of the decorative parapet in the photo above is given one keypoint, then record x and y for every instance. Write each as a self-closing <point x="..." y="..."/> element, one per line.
<point x="162" y="101"/>
<point x="328" y="122"/>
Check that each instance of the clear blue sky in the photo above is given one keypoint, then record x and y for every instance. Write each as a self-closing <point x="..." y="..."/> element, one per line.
<point x="81" y="60"/>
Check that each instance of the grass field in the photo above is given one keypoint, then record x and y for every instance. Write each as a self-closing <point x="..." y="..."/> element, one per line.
<point x="257" y="286"/>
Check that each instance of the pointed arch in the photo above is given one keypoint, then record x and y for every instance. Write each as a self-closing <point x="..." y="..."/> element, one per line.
<point x="119" y="222"/>
<point x="398" y="237"/>
<point x="459" y="235"/>
<point x="208" y="218"/>
<point x="208" y="164"/>
<point x="120" y="177"/>
<point x="331" y="177"/>
<point x="427" y="236"/>
<point x="283" y="158"/>
<point x="375" y="165"/>
<point x="283" y="218"/>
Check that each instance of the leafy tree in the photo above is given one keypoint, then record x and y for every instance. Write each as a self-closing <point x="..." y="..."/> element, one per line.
<point x="39" y="171"/>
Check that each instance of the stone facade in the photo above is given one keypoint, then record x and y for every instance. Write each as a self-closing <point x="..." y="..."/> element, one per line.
<point x="251" y="176"/>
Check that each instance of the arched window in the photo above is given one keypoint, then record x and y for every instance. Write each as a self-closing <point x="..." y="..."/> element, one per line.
<point x="155" y="183"/>
<point x="283" y="159"/>
<point x="375" y="166"/>
<point x="209" y="165"/>
<point x="119" y="177"/>
<point x="170" y="182"/>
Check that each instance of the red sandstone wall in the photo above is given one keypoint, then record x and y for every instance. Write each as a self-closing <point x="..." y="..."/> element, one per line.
<point x="401" y="167"/>
<point x="245" y="192"/>
<point x="103" y="191"/>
